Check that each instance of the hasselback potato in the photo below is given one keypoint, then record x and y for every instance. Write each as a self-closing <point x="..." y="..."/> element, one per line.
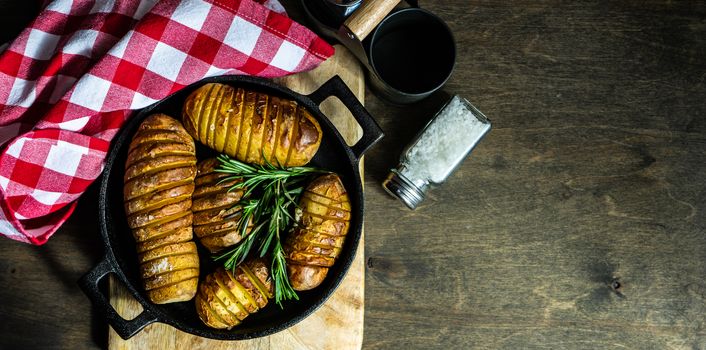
<point x="225" y="298"/>
<point x="159" y="181"/>
<point x="216" y="215"/>
<point x="251" y="126"/>
<point x="317" y="240"/>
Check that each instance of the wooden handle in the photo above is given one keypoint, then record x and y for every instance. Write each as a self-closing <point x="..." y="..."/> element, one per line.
<point x="368" y="16"/>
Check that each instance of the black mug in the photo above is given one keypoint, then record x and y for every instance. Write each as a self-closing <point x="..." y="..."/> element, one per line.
<point x="411" y="54"/>
<point x="408" y="53"/>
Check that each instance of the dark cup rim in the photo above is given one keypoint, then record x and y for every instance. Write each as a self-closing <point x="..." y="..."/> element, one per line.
<point x="431" y="15"/>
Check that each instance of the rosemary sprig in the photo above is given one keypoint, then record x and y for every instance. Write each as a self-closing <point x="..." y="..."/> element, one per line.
<point x="279" y="268"/>
<point x="272" y="193"/>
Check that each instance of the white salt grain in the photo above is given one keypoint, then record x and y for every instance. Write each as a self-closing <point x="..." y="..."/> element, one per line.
<point x="162" y="266"/>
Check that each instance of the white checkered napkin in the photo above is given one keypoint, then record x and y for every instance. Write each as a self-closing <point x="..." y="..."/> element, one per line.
<point x="71" y="79"/>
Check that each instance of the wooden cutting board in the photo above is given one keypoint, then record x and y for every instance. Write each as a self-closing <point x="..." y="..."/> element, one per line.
<point x="338" y="324"/>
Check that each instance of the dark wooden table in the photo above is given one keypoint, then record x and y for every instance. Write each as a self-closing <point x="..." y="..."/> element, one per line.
<point x="578" y="222"/>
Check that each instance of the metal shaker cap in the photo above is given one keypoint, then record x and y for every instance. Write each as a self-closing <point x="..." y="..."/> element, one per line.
<point x="399" y="186"/>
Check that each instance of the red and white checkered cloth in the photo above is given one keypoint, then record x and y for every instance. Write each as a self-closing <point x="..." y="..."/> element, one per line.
<point x="71" y="79"/>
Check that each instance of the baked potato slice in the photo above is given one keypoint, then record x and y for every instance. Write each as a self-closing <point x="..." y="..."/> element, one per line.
<point x="258" y="272"/>
<point x="213" y="294"/>
<point x="172" y="277"/>
<point x="169" y="263"/>
<point x="182" y="234"/>
<point x="182" y="291"/>
<point x="206" y="313"/>
<point x="159" y="199"/>
<point x="144" y="234"/>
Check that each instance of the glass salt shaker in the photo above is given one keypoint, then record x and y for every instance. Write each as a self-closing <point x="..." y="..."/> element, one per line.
<point x="437" y="151"/>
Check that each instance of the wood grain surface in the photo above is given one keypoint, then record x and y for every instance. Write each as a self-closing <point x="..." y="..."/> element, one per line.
<point x="338" y="324"/>
<point x="578" y="222"/>
<point x="368" y="15"/>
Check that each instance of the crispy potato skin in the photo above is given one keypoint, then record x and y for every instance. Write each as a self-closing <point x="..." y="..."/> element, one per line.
<point x="250" y="126"/>
<point x="216" y="216"/>
<point x="317" y="241"/>
<point x="306" y="277"/>
<point x="159" y="182"/>
<point x="226" y="298"/>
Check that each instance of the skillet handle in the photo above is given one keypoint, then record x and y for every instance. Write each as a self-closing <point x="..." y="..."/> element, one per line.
<point x="89" y="283"/>
<point x="371" y="130"/>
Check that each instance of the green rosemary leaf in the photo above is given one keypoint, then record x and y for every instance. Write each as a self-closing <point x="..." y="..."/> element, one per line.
<point x="284" y="290"/>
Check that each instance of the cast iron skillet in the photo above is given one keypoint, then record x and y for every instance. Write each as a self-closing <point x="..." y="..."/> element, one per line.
<point x="121" y="258"/>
